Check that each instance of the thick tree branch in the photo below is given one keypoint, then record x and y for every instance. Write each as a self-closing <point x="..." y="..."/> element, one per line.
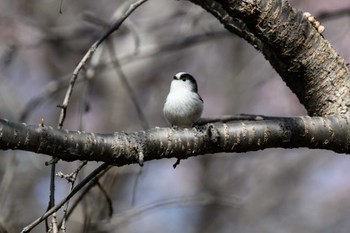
<point x="331" y="133"/>
<point x="303" y="57"/>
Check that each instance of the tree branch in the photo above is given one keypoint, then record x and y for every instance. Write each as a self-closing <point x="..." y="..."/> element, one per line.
<point x="331" y="133"/>
<point x="305" y="60"/>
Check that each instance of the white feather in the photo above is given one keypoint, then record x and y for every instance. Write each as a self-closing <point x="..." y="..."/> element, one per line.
<point x="183" y="106"/>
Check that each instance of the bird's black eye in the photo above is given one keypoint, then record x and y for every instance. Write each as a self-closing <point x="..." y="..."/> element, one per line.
<point x="183" y="79"/>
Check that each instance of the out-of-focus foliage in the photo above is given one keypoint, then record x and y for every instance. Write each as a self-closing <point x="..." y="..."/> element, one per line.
<point x="267" y="191"/>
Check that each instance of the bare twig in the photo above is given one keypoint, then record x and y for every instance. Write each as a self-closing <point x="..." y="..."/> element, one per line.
<point x="85" y="59"/>
<point x="108" y="199"/>
<point x="7" y="178"/>
<point x="136" y="182"/>
<point x="52" y="198"/>
<point x="203" y="199"/>
<point x="134" y="32"/>
<point x="67" y="198"/>
<point x="88" y="55"/>
<point x="128" y="24"/>
<point x="118" y="69"/>
<point x="128" y="87"/>
<point x="61" y="4"/>
<point x="70" y="178"/>
<point x="175" y="45"/>
<point x="130" y="91"/>
<point x="50" y="90"/>
<point x="55" y="86"/>
<point x="84" y="192"/>
<point x="73" y="176"/>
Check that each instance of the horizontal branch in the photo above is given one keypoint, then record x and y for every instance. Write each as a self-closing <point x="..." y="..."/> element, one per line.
<point x="120" y="148"/>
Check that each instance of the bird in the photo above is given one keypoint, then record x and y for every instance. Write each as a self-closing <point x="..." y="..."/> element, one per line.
<point x="183" y="105"/>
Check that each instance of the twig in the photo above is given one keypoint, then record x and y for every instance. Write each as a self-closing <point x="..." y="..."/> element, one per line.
<point x="55" y="86"/>
<point x="73" y="176"/>
<point x="7" y="178"/>
<point x="50" y="90"/>
<point x="61" y="3"/>
<point x="173" y="46"/>
<point x="84" y="192"/>
<point x="108" y="199"/>
<point x="128" y="87"/>
<point x="128" y="25"/>
<point x="136" y="182"/>
<point x="52" y="198"/>
<point x="88" y="55"/>
<point x="74" y="77"/>
<point x="137" y="39"/>
<point x="70" y="178"/>
<point x="199" y="200"/>
<point x="130" y="91"/>
<point x="67" y="198"/>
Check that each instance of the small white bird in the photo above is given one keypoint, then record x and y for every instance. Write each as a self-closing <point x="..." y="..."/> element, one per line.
<point x="183" y="106"/>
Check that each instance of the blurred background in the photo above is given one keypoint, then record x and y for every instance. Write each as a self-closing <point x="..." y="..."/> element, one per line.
<point x="274" y="190"/>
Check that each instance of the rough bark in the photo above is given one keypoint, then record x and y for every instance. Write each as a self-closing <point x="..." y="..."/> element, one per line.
<point x="305" y="60"/>
<point x="330" y="133"/>
<point x="303" y="57"/>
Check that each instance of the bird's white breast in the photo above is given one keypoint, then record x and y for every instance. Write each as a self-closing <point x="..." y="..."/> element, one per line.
<point x="183" y="107"/>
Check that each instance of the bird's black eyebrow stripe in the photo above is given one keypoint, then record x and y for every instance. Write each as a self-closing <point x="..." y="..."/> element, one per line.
<point x="192" y="80"/>
<point x="187" y="76"/>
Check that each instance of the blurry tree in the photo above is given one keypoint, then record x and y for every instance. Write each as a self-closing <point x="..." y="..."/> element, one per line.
<point x="108" y="199"/>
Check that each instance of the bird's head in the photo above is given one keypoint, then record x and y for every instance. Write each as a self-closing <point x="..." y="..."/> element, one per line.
<point x="184" y="81"/>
